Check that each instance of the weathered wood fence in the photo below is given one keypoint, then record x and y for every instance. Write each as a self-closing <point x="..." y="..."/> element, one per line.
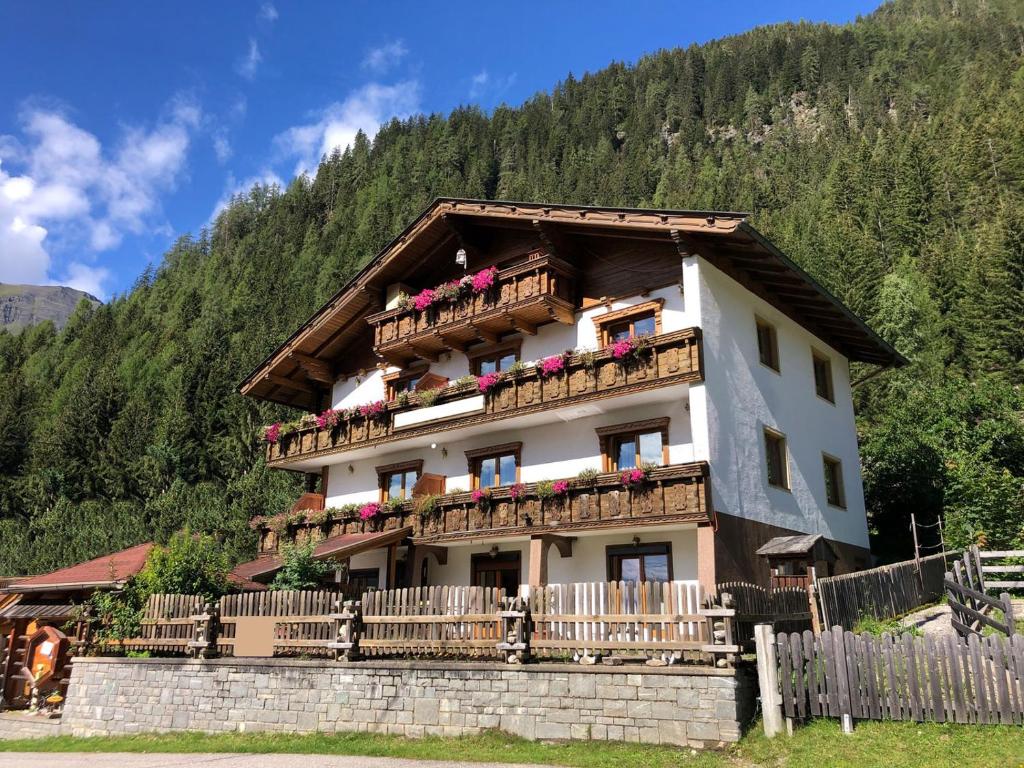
<point x="971" y="607"/>
<point x="787" y="609"/>
<point x="1009" y="571"/>
<point x="883" y="593"/>
<point x="661" y="621"/>
<point x="942" y="679"/>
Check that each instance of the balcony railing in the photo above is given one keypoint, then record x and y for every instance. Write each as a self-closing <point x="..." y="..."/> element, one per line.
<point x="670" y="358"/>
<point x="537" y="291"/>
<point x="677" y="493"/>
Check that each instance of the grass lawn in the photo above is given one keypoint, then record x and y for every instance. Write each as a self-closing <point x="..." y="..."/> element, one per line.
<point x="818" y="745"/>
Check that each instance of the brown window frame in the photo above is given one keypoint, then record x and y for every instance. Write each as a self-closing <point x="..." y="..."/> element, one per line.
<point x="614" y="551"/>
<point x="604" y="322"/>
<point x="829" y="461"/>
<point x="607" y="438"/>
<point x="479" y="562"/>
<point x="477" y="356"/>
<point x="768" y="356"/>
<point x="830" y="391"/>
<point x="771" y="435"/>
<point x="476" y="456"/>
<point x="385" y="471"/>
<point x="392" y="379"/>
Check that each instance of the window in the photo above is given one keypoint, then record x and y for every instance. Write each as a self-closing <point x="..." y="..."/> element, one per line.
<point x="363" y="580"/>
<point x="495" y="466"/>
<point x="493" y="359"/>
<point x="403" y="381"/>
<point x="398" y="480"/>
<point x="502" y="569"/>
<point x="640" y="562"/>
<point x="834" y="494"/>
<point x="625" y="446"/>
<point x="767" y="345"/>
<point x="775" y="453"/>
<point x="639" y="320"/>
<point x="823" y="376"/>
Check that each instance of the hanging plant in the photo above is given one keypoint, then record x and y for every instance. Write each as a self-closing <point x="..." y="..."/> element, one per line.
<point x="329" y="419"/>
<point x="633" y="479"/>
<point x="629" y="350"/>
<point x="428" y="397"/>
<point x="424" y="299"/>
<point x="272" y="433"/>
<point x="482" y="498"/>
<point x="516" y="491"/>
<point x="373" y="410"/>
<point x="560" y="488"/>
<point x="427" y="505"/>
<point x="551" y="366"/>
<point x="317" y="516"/>
<point x="586" y="478"/>
<point x="451" y="292"/>
<point x="484" y="280"/>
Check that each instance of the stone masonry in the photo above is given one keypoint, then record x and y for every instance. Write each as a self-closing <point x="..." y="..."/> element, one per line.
<point x="694" y="706"/>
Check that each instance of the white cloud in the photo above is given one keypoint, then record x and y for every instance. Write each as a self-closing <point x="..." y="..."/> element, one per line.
<point x="70" y="194"/>
<point x="483" y="83"/>
<point x="382" y="59"/>
<point x="364" y="110"/>
<point x="268" y="12"/>
<point x="248" y="64"/>
<point x="222" y="146"/>
<point x="86" y="278"/>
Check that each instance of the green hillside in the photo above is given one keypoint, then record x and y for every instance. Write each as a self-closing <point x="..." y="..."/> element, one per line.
<point x="886" y="156"/>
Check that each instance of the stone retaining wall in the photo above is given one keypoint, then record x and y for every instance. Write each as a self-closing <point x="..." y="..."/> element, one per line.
<point x="672" y="705"/>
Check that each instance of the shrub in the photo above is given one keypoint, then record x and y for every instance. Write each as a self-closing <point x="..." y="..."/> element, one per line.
<point x="428" y="397"/>
<point x="586" y="478"/>
<point x="299" y="569"/>
<point x="190" y="564"/>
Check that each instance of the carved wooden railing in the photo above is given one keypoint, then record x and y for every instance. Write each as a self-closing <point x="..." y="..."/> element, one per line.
<point x="672" y="358"/>
<point x="537" y="291"/>
<point x="678" y="493"/>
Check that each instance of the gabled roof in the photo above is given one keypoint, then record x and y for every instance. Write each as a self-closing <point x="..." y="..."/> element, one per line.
<point x="101" y="572"/>
<point x="809" y="544"/>
<point x="725" y="239"/>
<point x="334" y="547"/>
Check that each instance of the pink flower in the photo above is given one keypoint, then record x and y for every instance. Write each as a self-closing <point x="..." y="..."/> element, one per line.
<point x="549" y="366"/>
<point x="273" y="432"/>
<point x="560" y="487"/>
<point x="423" y="299"/>
<point x="516" y="491"/>
<point x="328" y="419"/>
<point x="622" y="348"/>
<point x="487" y="381"/>
<point x="631" y="478"/>
<point x="480" y="495"/>
<point x="369" y="511"/>
<point x="372" y="410"/>
<point x="484" y="279"/>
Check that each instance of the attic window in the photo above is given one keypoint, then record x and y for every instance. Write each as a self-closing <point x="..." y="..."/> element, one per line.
<point x="823" y="376"/>
<point x="767" y="344"/>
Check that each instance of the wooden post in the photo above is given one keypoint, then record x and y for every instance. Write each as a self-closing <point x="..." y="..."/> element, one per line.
<point x="942" y="541"/>
<point x="768" y="680"/>
<point x="706" y="559"/>
<point x="515" y="631"/>
<point x="347" y="625"/>
<point x="539" y="547"/>
<point x="812" y="604"/>
<point x="204" y="635"/>
<point x="392" y="565"/>
<point x="1011" y="626"/>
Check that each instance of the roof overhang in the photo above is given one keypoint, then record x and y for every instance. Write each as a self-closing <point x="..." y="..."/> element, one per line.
<point x="333" y="548"/>
<point x="305" y="364"/>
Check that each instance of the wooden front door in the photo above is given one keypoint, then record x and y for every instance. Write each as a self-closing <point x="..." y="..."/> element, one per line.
<point x="502" y="570"/>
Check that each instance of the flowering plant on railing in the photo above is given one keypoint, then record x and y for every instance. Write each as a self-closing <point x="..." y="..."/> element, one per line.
<point x="630" y="349"/>
<point x="372" y="410"/>
<point x="550" y="366"/>
<point x="329" y="419"/>
<point x="560" y="488"/>
<point x="483" y="280"/>
<point x="317" y="516"/>
<point x="482" y="498"/>
<point x="369" y="511"/>
<point x="487" y="381"/>
<point x="452" y="291"/>
<point x="516" y="491"/>
<point x="635" y="478"/>
<point x="272" y="433"/>
<point x="424" y="299"/>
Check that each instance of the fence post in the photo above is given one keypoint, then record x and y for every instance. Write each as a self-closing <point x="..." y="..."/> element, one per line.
<point x="83" y="631"/>
<point x="514" y="620"/>
<point x="768" y="680"/>
<point x="204" y="636"/>
<point x="347" y="626"/>
<point x="1011" y="624"/>
<point x="812" y="603"/>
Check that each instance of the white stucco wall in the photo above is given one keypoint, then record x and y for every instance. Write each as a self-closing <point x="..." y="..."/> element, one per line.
<point x="742" y="397"/>
<point x="550" y="451"/>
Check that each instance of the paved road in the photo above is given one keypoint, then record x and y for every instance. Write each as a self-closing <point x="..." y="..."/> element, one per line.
<point x="157" y="760"/>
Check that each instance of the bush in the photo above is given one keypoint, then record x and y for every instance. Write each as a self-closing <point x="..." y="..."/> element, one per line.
<point x="190" y="564"/>
<point x="300" y="570"/>
<point x="878" y="627"/>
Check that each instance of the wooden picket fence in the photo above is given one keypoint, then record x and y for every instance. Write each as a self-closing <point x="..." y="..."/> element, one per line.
<point x="601" y="618"/>
<point x="167" y="624"/>
<point x="787" y="609"/>
<point x="883" y="593"/>
<point x="942" y="679"/>
<point x="301" y="620"/>
<point x="431" y="621"/>
<point x="1010" y="572"/>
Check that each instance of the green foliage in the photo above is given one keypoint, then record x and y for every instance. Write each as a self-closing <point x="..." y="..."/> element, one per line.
<point x="428" y="397"/>
<point x="879" y="627"/>
<point x="299" y="569"/>
<point x="889" y="174"/>
<point x="191" y="564"/>
<point x="545" y="490"/>
<point x="585" y="478"/>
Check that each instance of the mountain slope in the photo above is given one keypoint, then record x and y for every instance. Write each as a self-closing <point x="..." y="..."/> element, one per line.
<point x="25" y="305"/>
<point x="886" y="156"/>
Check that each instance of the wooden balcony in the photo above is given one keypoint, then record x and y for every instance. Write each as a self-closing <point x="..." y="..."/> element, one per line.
<point x="672" y="358"/>
<point x="678" y="493"/>
<point x="537" y="291"/>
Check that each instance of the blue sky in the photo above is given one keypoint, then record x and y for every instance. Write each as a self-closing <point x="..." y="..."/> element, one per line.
<point x="125" y="124"/>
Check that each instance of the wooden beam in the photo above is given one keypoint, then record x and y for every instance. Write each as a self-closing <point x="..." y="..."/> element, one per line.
<point x="484" y="334"/>
<point x="521" y="325"/>
<point x="426" y="354"/>
<point x="556" y="242"/>
<point x="463" y="236"/>
<point x="448" y="341"/>
<point x="315" y="368"/>
<point x="281" y="381"/>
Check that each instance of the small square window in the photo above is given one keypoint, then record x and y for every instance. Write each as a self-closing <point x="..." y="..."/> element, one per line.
<point x="775" y="455"/>
<point x="823" y="376"/>
<point x="398" y="480"/>
<point x="495" y="467"/>
<point x="834" y="493"/>
<point x="767" y="344"/>
<point x="627" y="446"/>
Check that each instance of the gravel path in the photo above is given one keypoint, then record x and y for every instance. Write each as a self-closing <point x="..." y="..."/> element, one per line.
<point x="932" y="620"/>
